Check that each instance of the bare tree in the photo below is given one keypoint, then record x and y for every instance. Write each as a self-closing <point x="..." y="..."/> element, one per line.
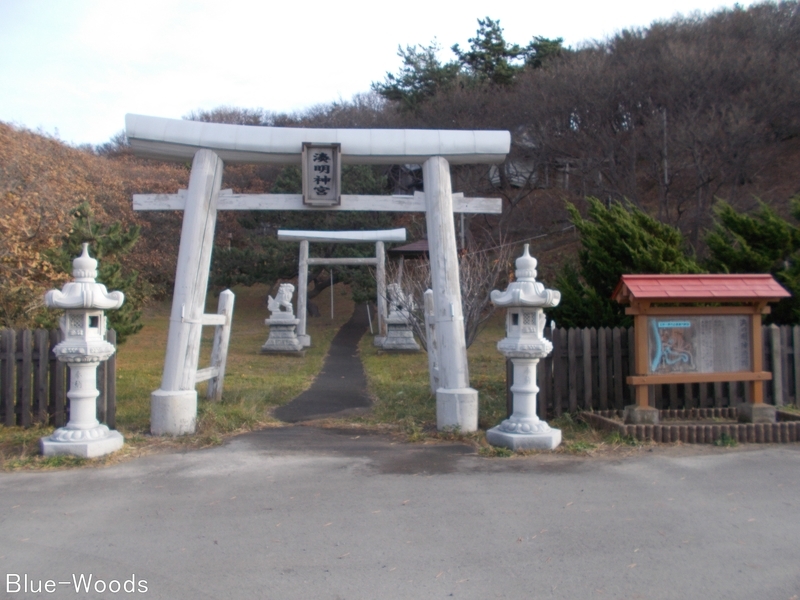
<point x="480" y="272"/>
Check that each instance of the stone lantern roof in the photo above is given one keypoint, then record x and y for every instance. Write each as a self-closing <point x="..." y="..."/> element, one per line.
<point x="526" y="291"/>
<point x="84" y="292"/>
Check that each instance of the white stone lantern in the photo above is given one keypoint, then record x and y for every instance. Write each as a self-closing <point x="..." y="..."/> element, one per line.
<point x="525" y="344"/>
<point x="83" y="348"/>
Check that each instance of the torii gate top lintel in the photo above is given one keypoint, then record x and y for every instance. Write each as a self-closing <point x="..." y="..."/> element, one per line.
<point x="179" y="140"/>
<point x="381" y="235"/>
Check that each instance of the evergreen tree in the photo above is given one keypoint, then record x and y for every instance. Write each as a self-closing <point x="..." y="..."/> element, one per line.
<point x="489" y="56"/>
<point x="762" y="242"/>
<point x="616" y="240"/>
<point x="106" y="244"/>
<point x="421" y="76"/>
<point x="489" y="59"/>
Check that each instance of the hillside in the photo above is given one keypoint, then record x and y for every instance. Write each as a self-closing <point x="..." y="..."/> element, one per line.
<point x="41" y="181"/>
<point x="671" y="118"/>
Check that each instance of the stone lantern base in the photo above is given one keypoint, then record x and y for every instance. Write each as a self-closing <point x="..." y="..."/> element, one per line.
<point x="547" y="438"/>
<point x="86" y="443"/>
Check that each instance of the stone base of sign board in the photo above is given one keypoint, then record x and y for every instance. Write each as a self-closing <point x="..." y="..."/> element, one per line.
<point x="457" y="409"/>
<point x="549" y="439"/>
<point x="756" y="413"/>
<point x="699" y="426"/>
<point x="305" y="340"/>
<point x="106" y="442"/>
<point x="399" y="336"/>
<point x="636" y="415"/>
<point x="173" y="412"/>
<point x="378" y="340"/>
<point x="283" y="338"/>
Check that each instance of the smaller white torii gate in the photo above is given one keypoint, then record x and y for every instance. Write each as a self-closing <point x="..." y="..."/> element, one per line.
<point x="304" y="237"/>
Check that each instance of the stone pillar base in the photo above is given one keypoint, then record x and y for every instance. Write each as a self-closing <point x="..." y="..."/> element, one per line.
<point x="305" y="340"/>
<point x="457" y="408"/>
<point x="283" y="338"/>
<point x="755" y="413"/>
<point x="399" y="337"/>
<point x="378" y="340"/>
<point x="85" y="448"/>
<point x="544" y="440"/>
<point x="173" y="412"/>
<point x="636" y="415"/>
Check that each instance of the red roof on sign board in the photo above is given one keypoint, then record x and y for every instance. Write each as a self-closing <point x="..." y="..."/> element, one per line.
<point x="699" y="288"/>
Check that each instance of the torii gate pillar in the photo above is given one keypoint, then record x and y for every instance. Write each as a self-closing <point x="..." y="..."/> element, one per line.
<point x="456" y="402"/>
<point x="173" y="407"/>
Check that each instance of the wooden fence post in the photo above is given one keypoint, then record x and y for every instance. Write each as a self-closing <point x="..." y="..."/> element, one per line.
<point x="616" y="336"/>
<point x="58" y="384"/>
<point x="41" y="346"/>
<point x="572" y="366"/>
<point x="559" y="374"/>
<point x="603" y="364"/>
<point x="219" y="352"/>
<point x="24" y="374"/>
<point x="775" y="359"/>
<point x="785" y="398"/>
<point x="587" y="334"/>
<point x="7" y="372"/>
<point x="796" y="363"/>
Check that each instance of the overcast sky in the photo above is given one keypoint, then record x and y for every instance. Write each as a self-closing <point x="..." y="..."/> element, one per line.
<point x="74" y="68"/>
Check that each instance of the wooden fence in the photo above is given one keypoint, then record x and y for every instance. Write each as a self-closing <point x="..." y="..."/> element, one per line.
<point x="33" y="384"/>
<point x="588" y="367"/>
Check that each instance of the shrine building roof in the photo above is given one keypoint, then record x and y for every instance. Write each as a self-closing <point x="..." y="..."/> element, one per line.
<point x="699" y="288"/>
<point x="414" y="249"/>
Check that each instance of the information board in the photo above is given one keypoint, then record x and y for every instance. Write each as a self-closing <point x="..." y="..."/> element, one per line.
<point x="702" y="344"/>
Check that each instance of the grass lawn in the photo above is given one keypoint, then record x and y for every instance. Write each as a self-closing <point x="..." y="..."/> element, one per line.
<point x="256" y="383"/>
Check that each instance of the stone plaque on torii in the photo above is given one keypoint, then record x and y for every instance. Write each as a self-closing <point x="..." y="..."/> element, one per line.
<point x="174" y="405"/>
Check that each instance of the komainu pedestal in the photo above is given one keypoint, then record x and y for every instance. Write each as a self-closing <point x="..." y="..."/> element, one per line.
<point x="525" y="344"/>
<point x="282" y="324"/>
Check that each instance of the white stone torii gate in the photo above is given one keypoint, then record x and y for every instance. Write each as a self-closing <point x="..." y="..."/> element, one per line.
<point x="174" y="405"/>
<point x="379" y="261"/>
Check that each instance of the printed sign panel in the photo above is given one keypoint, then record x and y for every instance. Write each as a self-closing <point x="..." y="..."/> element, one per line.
<point x="322" y="174"/>
<point x="707" y="344"/>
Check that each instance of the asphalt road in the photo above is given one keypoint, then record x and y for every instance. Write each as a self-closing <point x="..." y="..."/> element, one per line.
<point x="300" y="512"/>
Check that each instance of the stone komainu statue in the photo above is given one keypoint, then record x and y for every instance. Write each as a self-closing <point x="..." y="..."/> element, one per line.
<point x="282" y="302"/>
<point x="399" y="303"/>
